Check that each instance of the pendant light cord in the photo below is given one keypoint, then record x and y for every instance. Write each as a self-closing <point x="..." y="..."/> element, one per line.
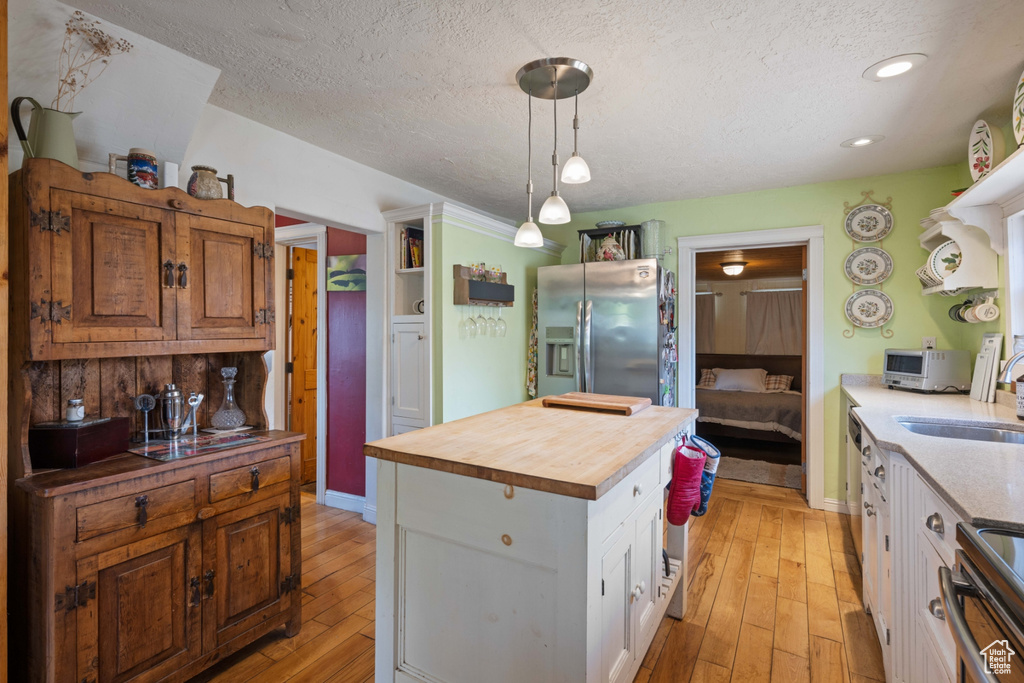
<point x="576" y="126"/>
<point x="554" y="154"/>
<point x="529" y="156"/>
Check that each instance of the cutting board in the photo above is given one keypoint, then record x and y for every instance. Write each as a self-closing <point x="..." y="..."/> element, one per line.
<point x="623" y="405"/>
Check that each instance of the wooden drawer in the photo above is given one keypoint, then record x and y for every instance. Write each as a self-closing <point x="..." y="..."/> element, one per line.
<point x="242" y="480"/>
<point x="929" y="509"/>
<point x="131" y="510"/>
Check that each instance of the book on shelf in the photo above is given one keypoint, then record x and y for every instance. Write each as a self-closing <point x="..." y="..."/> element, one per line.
<point x="412" y="248"/>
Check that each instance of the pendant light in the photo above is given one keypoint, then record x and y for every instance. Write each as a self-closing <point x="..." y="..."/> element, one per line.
<point x="529" y="234"/>
<point x="576" y="170"/>
<point x="553" y="79"/>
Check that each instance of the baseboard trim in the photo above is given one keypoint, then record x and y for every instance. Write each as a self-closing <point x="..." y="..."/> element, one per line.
<point x="344" y="501"/>
<point x="370" y="513"/>
<point x="835" y="505"/>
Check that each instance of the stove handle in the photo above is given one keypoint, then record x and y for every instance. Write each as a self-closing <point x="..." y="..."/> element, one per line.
<point x="967" y="647"/>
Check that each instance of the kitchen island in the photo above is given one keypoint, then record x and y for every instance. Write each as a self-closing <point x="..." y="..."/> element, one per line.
<point x="525" y="544"/>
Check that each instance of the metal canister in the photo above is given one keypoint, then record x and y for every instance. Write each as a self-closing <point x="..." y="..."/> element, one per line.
<point x="171" y="408"/>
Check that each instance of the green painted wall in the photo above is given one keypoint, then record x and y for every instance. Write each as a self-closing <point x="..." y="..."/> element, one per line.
<point x="475" y="375"/>
<point x="913" y="194"/>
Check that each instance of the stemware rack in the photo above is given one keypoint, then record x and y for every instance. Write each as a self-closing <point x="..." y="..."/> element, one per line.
<point x="470" y="292"/>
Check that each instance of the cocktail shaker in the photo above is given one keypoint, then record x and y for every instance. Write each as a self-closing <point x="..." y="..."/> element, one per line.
<point x="171" y="411"/>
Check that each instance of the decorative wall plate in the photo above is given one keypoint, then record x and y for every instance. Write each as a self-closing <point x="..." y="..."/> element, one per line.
<point x="868" y="266"/>
<point x="945" y="259"/>
<point x="985" y="149"/>
<point x="1018" y="111"/>
<point x="869" y="223"/>
<point x="869" y="308"/>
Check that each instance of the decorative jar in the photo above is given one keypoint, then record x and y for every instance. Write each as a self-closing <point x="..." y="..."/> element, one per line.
<point x="142" y="168"/>
<point x="204" y="184"/>
<point x="610" y="250"/>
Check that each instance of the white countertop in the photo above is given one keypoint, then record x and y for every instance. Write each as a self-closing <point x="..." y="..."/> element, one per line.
<point x="983" y="482"/>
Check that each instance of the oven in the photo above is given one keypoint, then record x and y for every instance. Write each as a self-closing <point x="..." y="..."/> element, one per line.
<point x="983" y="601"/>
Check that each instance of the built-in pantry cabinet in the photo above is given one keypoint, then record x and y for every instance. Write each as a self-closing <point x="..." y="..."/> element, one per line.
<point x="908" y="534"/>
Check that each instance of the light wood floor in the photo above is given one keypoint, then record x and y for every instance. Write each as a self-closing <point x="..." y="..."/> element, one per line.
<point x="774" y="595"/>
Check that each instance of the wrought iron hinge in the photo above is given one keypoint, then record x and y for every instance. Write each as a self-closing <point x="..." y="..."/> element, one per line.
<point x="50" y="220"/>
<point x="602" y="586"/>
<point x="40" y="310"/>
<point x="290" y="273"/>
<point x="289" y="515"/>
<point x="887" y="636"/>
<point x="289" y="368"/>
<point x="59" y="313"/>
<point x="803" y="274"/>
<point x="75" y="596"/>
<point x="265" y="316"/>
<point x="263" y="250"/>
<point x="290" y="583"/>
<point x="887" y="542"/>
<point x="48" y="311"/>
<point x="659" y="513"/>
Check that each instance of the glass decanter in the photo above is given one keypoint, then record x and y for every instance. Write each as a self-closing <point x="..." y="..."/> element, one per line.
<point x="229" y="415"/>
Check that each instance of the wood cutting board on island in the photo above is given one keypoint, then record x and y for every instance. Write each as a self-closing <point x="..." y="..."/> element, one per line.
<point x="525" y="544"/>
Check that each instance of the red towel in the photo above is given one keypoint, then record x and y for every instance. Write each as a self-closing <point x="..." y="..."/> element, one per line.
<point x="684" y="494"/>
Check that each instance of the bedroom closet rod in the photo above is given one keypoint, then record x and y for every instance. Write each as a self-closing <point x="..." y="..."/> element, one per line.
<point x="780" y="289"/>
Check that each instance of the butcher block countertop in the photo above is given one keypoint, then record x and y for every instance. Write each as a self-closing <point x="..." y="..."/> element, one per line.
<point x="569" y="452"/>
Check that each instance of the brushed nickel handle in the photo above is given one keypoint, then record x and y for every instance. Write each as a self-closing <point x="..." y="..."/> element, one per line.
<point x="880" y="472"/>
<point x="935" y="607"/>
<point x="934" y="523"/>
<point x="869" y="510"/>
<point x="866" y="451"/>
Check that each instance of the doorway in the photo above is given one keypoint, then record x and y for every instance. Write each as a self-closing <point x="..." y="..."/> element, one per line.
<point x="301" y="366"/>
<point x="812" y="370"/>
<point x="750" y="338"/>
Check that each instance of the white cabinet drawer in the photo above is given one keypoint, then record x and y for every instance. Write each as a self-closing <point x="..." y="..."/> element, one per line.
<point x="609" y="511"/>
<point x="934" y="637"/>
<point x="936" y="520"/>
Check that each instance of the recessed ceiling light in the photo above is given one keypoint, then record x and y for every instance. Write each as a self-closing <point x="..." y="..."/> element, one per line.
<point x="733" y="267"/>
<point x="862" y="141"/>
<point x="894" y="66"/>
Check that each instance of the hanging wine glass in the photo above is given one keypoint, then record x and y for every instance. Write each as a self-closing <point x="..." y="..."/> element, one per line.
<point x="500" y="327"/>
<point x="491" y="324"/>
<point x="463" y="326"/>
<point x="481" y="323"/>
<point x="471" y="325"/>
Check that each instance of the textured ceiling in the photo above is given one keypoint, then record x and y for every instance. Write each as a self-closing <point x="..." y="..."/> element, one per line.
<point x="689" y="99"/>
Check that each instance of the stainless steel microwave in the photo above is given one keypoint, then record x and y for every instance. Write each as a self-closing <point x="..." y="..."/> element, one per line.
<point x="928" y="370"/>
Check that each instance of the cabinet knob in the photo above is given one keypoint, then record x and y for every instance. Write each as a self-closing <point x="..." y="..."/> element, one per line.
<point x="869" y="510"/>
<point x="934" y="523"/>
<point x="639" y="590"/>
<point x="880" y="472"/>
<point x="176" y="203"/>
<point x="205" y="513"/>
<point x="638" y="489"/>
<point x="866" y="451"/>
<point x="935" y="607"/>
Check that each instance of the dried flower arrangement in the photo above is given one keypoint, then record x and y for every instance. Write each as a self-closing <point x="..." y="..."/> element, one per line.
<point x="85" y="47"/>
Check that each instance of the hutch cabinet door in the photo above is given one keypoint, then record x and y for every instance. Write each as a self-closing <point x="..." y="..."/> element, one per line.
<point x="224" y="294"/>
<point x="247" y="562"/>
<point x="409" y="374"/>
<point x="145" y="618"/>
<point x="109" y="275"/>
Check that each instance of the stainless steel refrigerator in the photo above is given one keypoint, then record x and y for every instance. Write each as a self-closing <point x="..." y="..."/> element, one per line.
<point x="607" y="328"/>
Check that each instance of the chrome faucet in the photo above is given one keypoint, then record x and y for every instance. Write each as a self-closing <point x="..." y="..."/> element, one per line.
<point x="1005" y="377"/>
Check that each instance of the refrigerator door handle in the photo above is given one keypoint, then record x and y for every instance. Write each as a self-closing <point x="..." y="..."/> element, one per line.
<point x="588" y="370"/>
<point x="577" y="332"/>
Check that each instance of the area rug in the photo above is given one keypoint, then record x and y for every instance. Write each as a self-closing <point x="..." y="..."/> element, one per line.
<point x="759" y="472"/>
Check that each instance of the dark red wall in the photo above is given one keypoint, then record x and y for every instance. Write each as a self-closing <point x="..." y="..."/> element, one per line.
<point x="281" y="221"/>
<point x="346" y="376"/>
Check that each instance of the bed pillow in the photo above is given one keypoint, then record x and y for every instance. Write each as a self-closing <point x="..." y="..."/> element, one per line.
<point x="707" y="379"/>
<point x="748" y="379"/>
<point x="776" y="384"/>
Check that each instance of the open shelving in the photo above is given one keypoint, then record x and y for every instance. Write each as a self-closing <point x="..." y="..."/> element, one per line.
<point x="978" y="261"/>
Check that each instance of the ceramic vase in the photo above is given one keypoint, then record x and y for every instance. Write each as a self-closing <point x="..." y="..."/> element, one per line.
<point x="142" y="168"/>
<point x="50" y="133"/>
<point x="610" y="250"/>
<point x="204" y="184"/>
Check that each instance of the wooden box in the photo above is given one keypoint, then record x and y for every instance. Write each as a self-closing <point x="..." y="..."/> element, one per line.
<point x="64" y="445"/>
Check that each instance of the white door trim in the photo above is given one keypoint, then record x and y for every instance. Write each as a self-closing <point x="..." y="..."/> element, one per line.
<point x="814" y="237"/>
<point x="310" y="236"/>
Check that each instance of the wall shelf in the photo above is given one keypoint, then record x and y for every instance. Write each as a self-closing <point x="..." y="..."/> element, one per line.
<point x="978" y="262"/>
<point x="470" y="292"/>
<point x="410" y="271"/>
<point x="998" y="195"/>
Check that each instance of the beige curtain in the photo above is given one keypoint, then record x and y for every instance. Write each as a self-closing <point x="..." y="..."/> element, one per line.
<point x="705" y="322"/>
<point x="775" y="323"/>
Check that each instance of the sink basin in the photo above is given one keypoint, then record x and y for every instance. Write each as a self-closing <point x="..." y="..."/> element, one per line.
<point x="963" y="431"/>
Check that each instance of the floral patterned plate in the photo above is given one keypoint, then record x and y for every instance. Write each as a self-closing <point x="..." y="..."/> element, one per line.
<point x="869" y="308"/>
<point x="869" y="223"/>
<point x="1018" y="111"/>
<point x="868" y="266"/>
<point x="985" y="149"/>
<point x="945" y="259"/>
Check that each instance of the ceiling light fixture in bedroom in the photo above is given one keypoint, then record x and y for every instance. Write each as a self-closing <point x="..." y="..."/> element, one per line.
<point x="733" y="267"/>
<point x="555" y="78"/>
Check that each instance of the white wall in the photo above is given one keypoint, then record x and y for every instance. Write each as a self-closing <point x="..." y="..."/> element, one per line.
<point x="151" y="97"/>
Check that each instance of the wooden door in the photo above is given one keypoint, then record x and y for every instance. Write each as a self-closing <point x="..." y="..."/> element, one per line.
<point x="617" y="633"/>
<point x="410" y="394"/>
<point x="109" y="280"/>
<point x="303" y="379"/>
<point x="145" y="619"/>
<point x="246" y="564"/>
<point x="224" y="295"/>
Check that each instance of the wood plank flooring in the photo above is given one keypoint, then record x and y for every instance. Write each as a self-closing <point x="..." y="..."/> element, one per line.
<point x="774" y="596"/>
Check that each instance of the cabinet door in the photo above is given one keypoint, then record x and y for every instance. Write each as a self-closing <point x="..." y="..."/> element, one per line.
<point x="145" y="620"/>
<point x="869" y="536"/>
<point x="649" y="567"/>
<point x="617" y="626"/>
<point x="225" y="294"/>
<point x="410" y="392"/>
<point x="246" y="564"/>
<point x="108" y="277"/>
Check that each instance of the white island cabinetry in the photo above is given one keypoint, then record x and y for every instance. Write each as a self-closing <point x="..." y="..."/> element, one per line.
<point x="525" y="545"/>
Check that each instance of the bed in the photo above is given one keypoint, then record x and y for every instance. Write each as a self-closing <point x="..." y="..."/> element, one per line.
<point x="750" y="415"/>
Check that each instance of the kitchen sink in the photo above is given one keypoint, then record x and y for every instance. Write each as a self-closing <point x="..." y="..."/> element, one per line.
<point x="971" y="432"/>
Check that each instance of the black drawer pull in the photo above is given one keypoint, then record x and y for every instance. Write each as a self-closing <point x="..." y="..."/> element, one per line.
<point x="142" y="502"/>
<point x="194" y="586"/>
<point x="255" y="472"/>
<point x="169" y="274"/>
<point x="183" y="280"/>
<point x="208" y="577"/>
